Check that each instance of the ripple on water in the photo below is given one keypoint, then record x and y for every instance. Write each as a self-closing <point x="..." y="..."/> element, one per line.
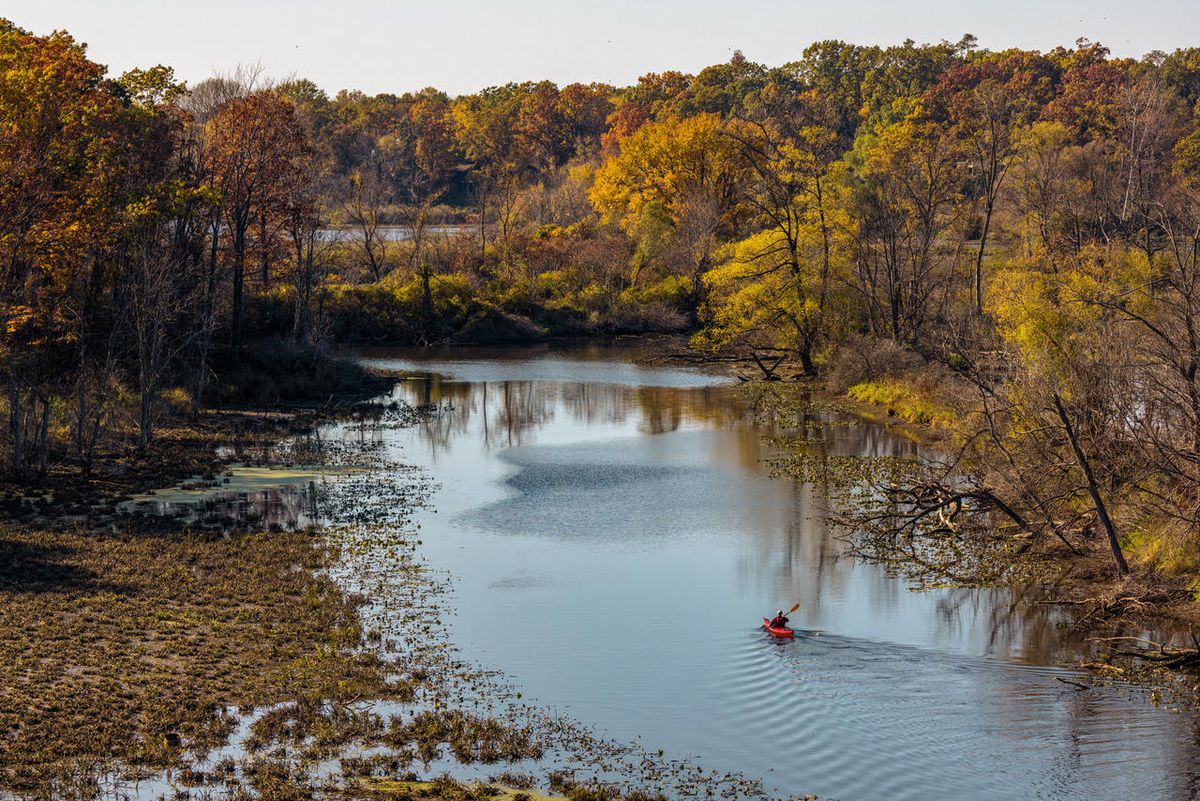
<point x="872" y="720"/>
<point x="519" y="583"/>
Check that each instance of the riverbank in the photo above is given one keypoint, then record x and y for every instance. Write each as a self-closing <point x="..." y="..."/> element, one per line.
<point x="344" y="638"/>
<point x="1143" y="626"/>
<point x="1094" y="602"/>
<point x="132" y="643"/>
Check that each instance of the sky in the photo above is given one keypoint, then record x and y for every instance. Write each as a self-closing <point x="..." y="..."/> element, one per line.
<point x="378" y="46"/>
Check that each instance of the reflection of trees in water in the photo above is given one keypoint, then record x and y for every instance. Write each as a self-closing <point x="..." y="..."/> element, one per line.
<point x="452" y="399"/>
<point x="808" y="558"/>
<point x="1091" y="720"/>
<point x="796" y="554"/>
<point x="1184" y="759"/>
<point x="286" y="508"/>
<point x="1027" y="622"/>
<point x="867" y="440"/>
<point x="506" y="413"/>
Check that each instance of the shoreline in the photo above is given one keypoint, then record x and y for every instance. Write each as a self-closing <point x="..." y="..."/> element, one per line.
<point x="362" y="640"/>
<point x="1120" y="609"/>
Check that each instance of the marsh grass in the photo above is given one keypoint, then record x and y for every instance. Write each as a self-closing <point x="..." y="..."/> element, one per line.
<point x="134" y="647"/>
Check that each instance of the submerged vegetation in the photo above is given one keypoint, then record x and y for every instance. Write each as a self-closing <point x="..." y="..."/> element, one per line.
<point x="128" y="652"/>
<point x="261" y="655"/>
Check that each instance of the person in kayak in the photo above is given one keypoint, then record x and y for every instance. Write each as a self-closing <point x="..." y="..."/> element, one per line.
<point x="780" y="621"/>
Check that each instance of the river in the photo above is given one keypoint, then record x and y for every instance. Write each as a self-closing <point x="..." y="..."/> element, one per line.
<point x="614" y="539"/>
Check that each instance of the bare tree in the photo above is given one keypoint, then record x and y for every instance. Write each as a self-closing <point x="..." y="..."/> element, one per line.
<point x="160" y="289"/>
<point x="364" y="198"/>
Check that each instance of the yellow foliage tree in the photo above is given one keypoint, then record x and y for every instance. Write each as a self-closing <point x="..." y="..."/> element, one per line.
<point x="665" y="162"/>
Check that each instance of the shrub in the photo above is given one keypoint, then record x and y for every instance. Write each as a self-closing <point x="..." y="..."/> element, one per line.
<point x="654" y="318"/>
<point x="862" y="359"/>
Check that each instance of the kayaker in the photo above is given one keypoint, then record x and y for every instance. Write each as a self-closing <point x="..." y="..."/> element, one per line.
<point x="780" y="620"/>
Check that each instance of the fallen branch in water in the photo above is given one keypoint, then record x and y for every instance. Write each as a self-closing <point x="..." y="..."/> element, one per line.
<point x="1074" y="683"/>
<point x="1159" y="654"/>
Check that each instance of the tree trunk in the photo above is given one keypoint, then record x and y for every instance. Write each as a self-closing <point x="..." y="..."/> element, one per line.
<point x="806" y="358"/>
<point x="1101" y="510"/>
<point x="301" y="292"/>
<point x="266" y="256"/>
<point x="44" y="439"/>
<point x="426" y="299"/>
<point x="144" y="421"/>
<point x="239" y="269"/>
<point x="16" y="428"/>
<point x="983" y="238"/>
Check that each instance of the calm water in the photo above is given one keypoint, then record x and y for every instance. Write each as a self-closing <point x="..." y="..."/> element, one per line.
<point x="615" y="540"/>
<point x="390" y="233"/>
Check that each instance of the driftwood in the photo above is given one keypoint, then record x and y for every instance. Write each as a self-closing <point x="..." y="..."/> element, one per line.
<point x="769" y="373"/>
<point x="1166" y="656"/>
<point x="1073" y="683"/>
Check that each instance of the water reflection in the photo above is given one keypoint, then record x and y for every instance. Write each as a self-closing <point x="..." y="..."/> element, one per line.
<point x="288" y="507"/>
<point x="506" y="414"/>
<point x="792" y="546"/>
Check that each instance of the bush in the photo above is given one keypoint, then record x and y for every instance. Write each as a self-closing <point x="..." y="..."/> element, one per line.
<point x="490" y="325"/>
<point x="392" y="310"/>
<point x="654" y="318"/>
<point x="903" y="399"/>
<point x="862" y="359"/>
<point x="674" y="292"/>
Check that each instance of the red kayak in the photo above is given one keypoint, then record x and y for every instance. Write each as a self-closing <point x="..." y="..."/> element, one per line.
<point x="777" y="632"/>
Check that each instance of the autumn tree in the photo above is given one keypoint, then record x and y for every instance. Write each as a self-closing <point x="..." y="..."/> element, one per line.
<point x="508" y="134"/>
<point x="905" y="183"/>
<point x="302" y="222"/>
<point x="252" y="142"/>
<point x="422" y="152"/>
<point x="691" y="169"/>
<point x="986" y="103"/>
<point x="365" y="195"/>
<point x="60" y="152"/>
<point x="778" y="283"/>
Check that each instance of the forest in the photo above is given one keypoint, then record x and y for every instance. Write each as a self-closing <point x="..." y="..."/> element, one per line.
<point x="1002" y="244"/>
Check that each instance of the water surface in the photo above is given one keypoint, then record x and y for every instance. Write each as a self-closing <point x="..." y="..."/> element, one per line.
<point x="615" y="539"/>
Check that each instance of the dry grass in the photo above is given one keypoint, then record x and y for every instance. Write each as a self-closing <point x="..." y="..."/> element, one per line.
<point x="446" y="788"/>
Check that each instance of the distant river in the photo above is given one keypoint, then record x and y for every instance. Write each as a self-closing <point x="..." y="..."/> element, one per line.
<point x="390" y="233"/>
<point x="615" y="540"/>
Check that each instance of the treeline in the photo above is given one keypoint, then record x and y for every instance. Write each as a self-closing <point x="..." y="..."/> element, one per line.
<point x="1003" y="242"/>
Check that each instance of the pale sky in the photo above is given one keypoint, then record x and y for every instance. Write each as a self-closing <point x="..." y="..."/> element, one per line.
<point x="380" y="46"/>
